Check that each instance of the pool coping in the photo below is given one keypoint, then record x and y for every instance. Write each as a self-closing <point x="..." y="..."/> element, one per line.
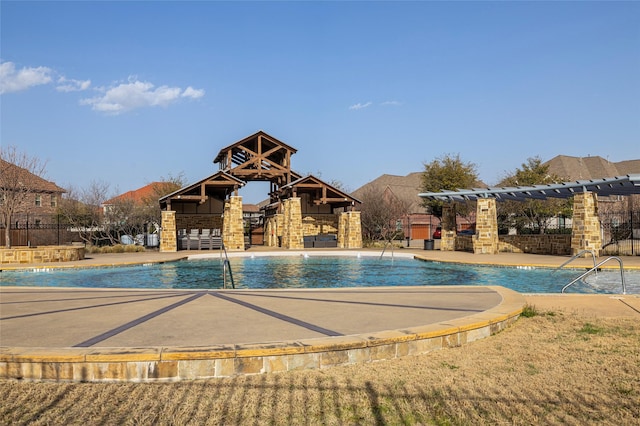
<point x="176" y="363"/>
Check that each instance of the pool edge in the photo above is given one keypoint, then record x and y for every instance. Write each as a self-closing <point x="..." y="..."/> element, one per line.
<point x="168" y="364"/>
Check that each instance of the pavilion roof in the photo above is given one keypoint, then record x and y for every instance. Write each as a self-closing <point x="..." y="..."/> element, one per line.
<point x="619" y="185"/>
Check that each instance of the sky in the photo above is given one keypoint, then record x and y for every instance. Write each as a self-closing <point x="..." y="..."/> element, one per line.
<point x="127" y="93"/>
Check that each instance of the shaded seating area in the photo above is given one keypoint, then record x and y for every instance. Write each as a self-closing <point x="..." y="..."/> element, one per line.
<point x="321" y="241"/>
<point x="199" y="239"/>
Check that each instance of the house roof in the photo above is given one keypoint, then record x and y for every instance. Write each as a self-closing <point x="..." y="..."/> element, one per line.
<point x="36" y="182"/>
<point x="405" y="188"/>
<point x="593" y="167"/>
<point x="137" y="195"/>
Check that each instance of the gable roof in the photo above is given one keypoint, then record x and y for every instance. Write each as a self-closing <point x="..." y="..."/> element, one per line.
<point x="592" y="167"/>
<point x="137" y="195"/>
<point x="35" y="182"/>
<point x="321" y="192"/>
<point x="219" y="182"/>
<point x="405" y="188"/>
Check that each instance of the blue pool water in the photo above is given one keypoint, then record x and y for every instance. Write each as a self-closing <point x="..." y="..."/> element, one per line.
<point x="321" y="272"/>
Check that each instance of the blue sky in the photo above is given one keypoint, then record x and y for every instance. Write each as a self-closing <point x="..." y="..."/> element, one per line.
<point x="128" y="92"/>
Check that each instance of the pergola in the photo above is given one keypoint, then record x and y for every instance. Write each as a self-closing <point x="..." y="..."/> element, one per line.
<point x="620" y="185"/>
<point x="586" y="230"/>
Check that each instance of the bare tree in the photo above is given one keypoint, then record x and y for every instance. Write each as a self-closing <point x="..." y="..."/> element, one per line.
<point x="20" y="178"/>
<point x="82" y="210"/>
<point x="379" y="213"/>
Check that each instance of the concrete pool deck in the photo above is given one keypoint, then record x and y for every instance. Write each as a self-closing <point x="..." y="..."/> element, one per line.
<point x="77" y="334"/>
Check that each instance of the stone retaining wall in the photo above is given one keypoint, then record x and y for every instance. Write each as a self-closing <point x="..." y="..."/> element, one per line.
<point x="43" y="254"/>
<point x="175" y="364"/>
<point x="555" y="244"/>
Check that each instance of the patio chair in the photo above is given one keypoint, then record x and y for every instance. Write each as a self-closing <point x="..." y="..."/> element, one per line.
<point x="205" y="240"/>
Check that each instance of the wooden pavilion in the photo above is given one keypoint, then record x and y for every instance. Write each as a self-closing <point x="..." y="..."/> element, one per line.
<point x="302" y="212"/>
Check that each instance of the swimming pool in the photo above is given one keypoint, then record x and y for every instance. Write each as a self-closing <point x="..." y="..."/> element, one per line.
<point x="303" y="271"/>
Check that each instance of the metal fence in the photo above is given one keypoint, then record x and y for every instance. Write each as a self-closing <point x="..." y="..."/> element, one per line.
<point x="26" y="230"/>
<point x="620" y="232"/>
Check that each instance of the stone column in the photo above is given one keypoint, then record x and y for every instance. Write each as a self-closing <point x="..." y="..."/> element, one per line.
<point x="448" y="227"/>
<point x="292" y="236"/>
<point x="585" y="234"/>
<point x="233" y="225"/>
<point x="485" y="239"/>
<point x="350" y="230"/>
<point x="168" y="237"/>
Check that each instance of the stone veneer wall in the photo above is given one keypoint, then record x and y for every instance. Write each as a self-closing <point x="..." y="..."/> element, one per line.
<point x="320" y="224"/>
<point x="43" y="254"/>
<point x="586" y="224"/>
<point x="485" y="240"/>
<point x="168" y="237"/>
<point x="555" y="244"/>
<point x="233" y="224"/>
<point x="350" y="230"/>
<point x="199" y="221"/>
<point x="448" y="228"/>
<point x="292" y="233"/>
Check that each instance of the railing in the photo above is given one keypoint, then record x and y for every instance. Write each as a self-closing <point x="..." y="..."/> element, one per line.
<point x="580" y="253"/>
<point x="624" y="286"/>
<point x="226" y="266"/>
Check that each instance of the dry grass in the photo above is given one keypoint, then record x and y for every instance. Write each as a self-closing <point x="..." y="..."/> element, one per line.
<point x="546" y="369"/>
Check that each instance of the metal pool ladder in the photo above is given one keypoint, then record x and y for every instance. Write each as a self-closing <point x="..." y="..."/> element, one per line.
<point x="226" y="266"/>
<point x="594" y="269"/>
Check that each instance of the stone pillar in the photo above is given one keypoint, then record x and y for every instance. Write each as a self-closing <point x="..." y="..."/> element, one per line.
<point x="292" y="235"/>
<point x="485" y="239"/>
<point x="350" y="230"/>
<point x="168" y="236"/>
<point x="585" y="234"/>
<point x="448" y="227"/>
<point x="233" y="225"/>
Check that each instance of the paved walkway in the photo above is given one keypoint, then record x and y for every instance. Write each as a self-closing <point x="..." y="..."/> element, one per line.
<point x="34" y="319"/>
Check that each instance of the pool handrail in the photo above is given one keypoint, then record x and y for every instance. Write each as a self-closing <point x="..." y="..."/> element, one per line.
<point x="575" y="256"/>
<point x="226" y="265"/>
<point x="624" y="286"/>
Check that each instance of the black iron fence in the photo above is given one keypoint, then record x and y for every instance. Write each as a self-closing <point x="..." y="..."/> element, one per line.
<point x="28" y="230"/>
<point x="620" y="232"/>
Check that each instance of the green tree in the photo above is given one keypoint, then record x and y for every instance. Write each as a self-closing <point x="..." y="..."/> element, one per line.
<point x="450" y="173"/>
<point x="532" y="214"/>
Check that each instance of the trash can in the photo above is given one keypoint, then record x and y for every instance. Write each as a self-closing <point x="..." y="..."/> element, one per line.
<point x="428" y="244"/>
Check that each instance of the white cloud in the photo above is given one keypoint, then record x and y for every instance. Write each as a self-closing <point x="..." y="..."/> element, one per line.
<point x="391" y="103"/>
<point x="360" y="106"/>
<point x="138" y="94"/>
<point x="71" y="85"/>
<point x="190" y="92"/>
<point x="16" y="81"/>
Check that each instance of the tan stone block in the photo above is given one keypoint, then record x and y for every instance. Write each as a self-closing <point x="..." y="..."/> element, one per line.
<point x="305" y="361"/>
<point x="334" y="358"/>
<point x="358" y="356"/>
<point x="225" y="367"/>
<point x="58" y="371"/>
<point x="275" y="364"/>
<point x="106" y="370"/>
<point x="254" y="365"/>
<point x="383" y="352"/>
<point x="196" y="369"/>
